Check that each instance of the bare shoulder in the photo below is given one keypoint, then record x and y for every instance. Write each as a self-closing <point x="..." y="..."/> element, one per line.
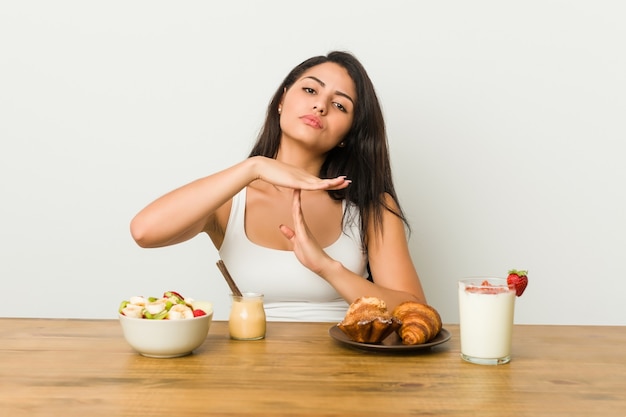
<point x="390" y="202"/>
<point x="390" y="212"/>
<point x="391" y="233"/>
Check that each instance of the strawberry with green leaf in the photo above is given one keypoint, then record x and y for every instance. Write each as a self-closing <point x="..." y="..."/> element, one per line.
<point x="517" y="280"/>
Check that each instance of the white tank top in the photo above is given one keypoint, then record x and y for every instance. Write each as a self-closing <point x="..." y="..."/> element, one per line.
<point x="291" y="291"/>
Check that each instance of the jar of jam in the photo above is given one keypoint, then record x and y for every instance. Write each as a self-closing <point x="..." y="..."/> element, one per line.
<point x="247" y="317"/>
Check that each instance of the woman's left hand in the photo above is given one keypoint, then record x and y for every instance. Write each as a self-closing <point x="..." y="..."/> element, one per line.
<point x="305" y="246"/>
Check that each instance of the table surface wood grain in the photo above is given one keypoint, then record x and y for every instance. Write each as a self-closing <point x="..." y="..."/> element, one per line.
<point x="57" y="367"/>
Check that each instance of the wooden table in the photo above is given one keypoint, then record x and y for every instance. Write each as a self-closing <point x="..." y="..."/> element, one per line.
<point x="84" y="368"/>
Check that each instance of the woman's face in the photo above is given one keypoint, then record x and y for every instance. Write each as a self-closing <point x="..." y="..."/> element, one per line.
<point x="318" y="109"/>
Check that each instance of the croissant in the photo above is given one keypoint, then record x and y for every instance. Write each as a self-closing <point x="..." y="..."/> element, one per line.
<point x="420" y="322"/>
<point x="368" y="321"/>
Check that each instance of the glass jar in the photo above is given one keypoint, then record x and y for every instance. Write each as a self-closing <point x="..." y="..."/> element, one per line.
<point x="247" y="317"/>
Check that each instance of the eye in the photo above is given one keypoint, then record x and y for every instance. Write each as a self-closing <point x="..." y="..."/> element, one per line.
<point x="308" y="90"/>
<point x="340" y="107"/>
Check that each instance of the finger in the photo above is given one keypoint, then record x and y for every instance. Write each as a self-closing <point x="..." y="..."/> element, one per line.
<point x="299" y="224"/>
<point x="341" y="185"/>
<point x="287" y="232"/>
<point x="296" y="209"/>
<point x="325" y="184"/>
<point x="337" y="183"/>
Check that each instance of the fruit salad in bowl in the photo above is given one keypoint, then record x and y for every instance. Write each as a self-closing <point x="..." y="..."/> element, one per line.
<point x="171" y="306"/>
<point x="165" y="327"/>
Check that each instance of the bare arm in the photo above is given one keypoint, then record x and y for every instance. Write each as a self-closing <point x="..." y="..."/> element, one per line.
<point x="186" y="211"/>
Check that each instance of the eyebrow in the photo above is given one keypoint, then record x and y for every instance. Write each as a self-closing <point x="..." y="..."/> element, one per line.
<point x="323" y="84"/>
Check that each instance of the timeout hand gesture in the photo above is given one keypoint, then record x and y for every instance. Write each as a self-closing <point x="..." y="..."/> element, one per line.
<point x="284" y="175"/>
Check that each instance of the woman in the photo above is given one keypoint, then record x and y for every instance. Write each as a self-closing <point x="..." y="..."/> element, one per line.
<point x="312" y="211"/>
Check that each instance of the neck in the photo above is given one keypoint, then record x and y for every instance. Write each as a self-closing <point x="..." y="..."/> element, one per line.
<point x="301" y="158"/>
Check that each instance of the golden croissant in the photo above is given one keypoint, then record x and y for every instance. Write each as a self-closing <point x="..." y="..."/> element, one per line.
<point x="368" y="321"/>
<point x="420" y="322"/>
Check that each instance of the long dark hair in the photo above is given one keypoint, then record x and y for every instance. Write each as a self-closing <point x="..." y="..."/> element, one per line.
<point x="365" y="157"/>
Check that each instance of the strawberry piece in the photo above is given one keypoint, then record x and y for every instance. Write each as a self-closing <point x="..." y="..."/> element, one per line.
<point x="517" y="280"/>
<point x="197" y="313"/>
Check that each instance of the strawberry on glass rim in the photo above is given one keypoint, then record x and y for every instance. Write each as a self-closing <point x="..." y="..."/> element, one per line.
<point x="517" y="280"/>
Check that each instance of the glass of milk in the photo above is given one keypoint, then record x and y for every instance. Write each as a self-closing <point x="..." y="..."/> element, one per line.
<point x="486" y="307"/>
<point x="247" y="317"/>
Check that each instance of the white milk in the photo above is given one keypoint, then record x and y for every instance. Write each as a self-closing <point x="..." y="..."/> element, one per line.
<point x="486" y="323"/>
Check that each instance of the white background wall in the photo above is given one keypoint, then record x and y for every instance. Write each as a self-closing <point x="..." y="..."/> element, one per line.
<point x="506" y="126"/>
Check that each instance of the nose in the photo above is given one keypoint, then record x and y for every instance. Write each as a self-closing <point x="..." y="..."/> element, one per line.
<point x="319" y="108"/>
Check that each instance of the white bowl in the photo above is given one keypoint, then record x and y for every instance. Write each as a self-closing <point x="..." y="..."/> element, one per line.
<point x="166" y="338"/>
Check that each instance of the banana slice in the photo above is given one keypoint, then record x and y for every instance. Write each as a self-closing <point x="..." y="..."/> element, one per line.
<point x="138" y="301"/>
<point x="180" y="311"/>
<point x="132" y="310"/>
<point x="155" y="307"/>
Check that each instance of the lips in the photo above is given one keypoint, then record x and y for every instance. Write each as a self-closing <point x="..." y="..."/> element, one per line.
<point x="312" y="121"/>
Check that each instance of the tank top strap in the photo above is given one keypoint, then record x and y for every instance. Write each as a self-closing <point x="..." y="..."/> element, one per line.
<point x="238" y="210"/>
